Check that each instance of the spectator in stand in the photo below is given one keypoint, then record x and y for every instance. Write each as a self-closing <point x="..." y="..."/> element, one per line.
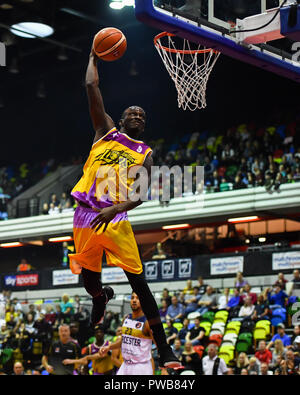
<point x="171" y="332"/>
<point x="291" y="365"/>
<point x="207" y="302"/>
<point x="215" y="181"/>
<point x="281" y="281"/>
<point x="177" y="349"/>
<point x="67" y="208"/>
<point x="190" y="359"/>
<point x="18" y="369"/>
<point x="175" y="311"/>
<point x="184" y="330"/>
<point x="279" y="350"/>
<point x="29" y="324"/>
<point x="196" y="335"/>
<point x="208" y="362"/>
<point x="53" y="210"/>
<point x="296" y="347"/>
<point x="254" y="366"/>
<point x="264" y="370"/>
<point x="223" y="300"/>
<point x="66" y="307"/>
<point x="191" y="301"/>
<point x="54" y="200"/>
<point x="238" y="183"/>
<point x="166" y="296"/>
<point x="64" y="200"/>
<point x="241" y="363"/>
<point x="201" y="285"/>
<point x="276" y="297"/>
<point x="247" y="292"/>
<point x="262" y="310"/>
<point x="24" y="266"/>
<point x="50" y="315"/>
<point x="234" y="300"/>
<point x="286" y="340"/>
<point x="188" y="290"/>
<point x="296" y="279"/>
<point x="247" y="309"/>
<point x="163" y="310"/>
<point x="45" y="209"/>
<point x="296" y="333"/>
<point x="240" y="282"/>
<point x="263" y="354"/>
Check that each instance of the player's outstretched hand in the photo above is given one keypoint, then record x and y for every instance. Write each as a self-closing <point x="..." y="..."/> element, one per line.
<point x="67" y="362"/>
<point x="103" y="351"/>
<point x="105" y="215"/>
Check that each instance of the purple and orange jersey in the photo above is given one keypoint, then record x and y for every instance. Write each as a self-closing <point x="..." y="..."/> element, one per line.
<point x="105" y="182"/>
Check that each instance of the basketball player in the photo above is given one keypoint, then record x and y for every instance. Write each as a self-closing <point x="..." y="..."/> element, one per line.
<point x="101" y="221"/>
<point x="135" y="343"/>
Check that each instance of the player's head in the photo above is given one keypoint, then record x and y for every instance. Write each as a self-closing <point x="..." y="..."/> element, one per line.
<point x="133" y="121"/>
<point x="135" y="302"/>
<point x="99" y="333"/>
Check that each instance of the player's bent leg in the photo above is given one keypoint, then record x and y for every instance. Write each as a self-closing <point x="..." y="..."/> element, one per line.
<point x="150" y="309"/>
<point x="101" y="296"/>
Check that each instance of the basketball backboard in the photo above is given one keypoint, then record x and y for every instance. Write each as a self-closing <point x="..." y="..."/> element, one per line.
<point x="235" y="28"/>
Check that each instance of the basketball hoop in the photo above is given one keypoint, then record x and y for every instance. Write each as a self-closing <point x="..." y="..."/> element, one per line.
<point x="189" y="69"/>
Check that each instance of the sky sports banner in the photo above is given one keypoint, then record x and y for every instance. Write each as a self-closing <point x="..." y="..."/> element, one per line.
<point x="64" y="277"/>
<point x="229" y="265"/>
<point x="286" y="260"/>
<point x="21" y="280"/>
<point x="168" y="269"/>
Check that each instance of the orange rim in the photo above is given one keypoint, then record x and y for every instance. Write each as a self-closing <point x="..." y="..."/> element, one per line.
<point x="183" y="51"/>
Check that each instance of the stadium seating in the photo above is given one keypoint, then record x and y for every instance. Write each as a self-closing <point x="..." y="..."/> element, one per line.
<point x="208" y="316"/>
<point x="216" y="339"/>
<point x="207" y="326"/>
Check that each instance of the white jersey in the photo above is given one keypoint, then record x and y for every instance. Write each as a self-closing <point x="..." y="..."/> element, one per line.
<point x="136" y="347"/>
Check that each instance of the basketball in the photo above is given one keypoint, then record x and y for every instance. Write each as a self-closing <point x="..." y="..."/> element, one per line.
<point x="110" y="44"/>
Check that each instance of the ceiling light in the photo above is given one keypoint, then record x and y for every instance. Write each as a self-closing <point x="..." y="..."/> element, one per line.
<point x="60" y="239"/>
<point x="10" y="245"/>
<point x="262" y="239"/>
<point x="247" y="241"/>
<point x="173" y="227"/>
<point x="6" y="6"/>
<point x="38" y="29"/>
<point x="244" y="219"/>
<point x="116" y="5"/>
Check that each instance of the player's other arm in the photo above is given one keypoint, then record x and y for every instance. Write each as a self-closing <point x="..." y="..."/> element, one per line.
<point x="102" y="122"/>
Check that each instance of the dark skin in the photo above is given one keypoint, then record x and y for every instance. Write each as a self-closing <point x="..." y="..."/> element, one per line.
<point x="132" y="123"/>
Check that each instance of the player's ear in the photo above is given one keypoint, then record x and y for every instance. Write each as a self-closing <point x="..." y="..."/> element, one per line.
<point x="121" y="123"/>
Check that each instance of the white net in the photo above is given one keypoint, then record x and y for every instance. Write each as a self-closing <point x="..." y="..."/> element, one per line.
<point x="188" y="67"/>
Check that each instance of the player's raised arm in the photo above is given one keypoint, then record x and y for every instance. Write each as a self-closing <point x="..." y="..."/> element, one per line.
<point x="102" y="122"/>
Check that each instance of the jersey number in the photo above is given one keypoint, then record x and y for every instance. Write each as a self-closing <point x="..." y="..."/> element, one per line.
<point x="128" y="331"/>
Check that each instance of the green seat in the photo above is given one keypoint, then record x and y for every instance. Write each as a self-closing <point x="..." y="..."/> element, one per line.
<point x="242" y="346"/>
<point x="208" y="316"/>
<point x="246" y="336"/>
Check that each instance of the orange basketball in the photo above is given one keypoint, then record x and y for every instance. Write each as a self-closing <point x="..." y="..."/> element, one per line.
<point x="110" y="44"/>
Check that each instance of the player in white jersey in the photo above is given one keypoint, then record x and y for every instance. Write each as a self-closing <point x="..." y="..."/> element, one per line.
<point x="135" y="342"/>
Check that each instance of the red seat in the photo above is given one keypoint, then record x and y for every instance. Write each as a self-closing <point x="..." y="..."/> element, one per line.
<point x="217" y="339"/>
<point x="199" y="350"/>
